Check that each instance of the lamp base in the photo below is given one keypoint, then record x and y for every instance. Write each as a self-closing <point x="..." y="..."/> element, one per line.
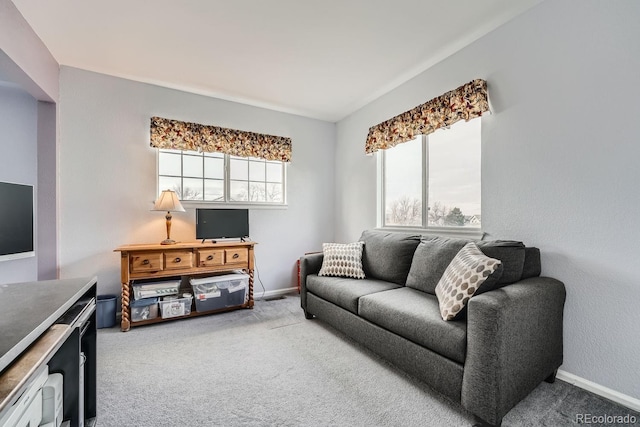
<point x="168" y="242"/>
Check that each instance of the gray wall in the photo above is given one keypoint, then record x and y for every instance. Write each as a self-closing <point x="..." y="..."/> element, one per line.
<point x="107" y="177"/>
<point x="19" y="146"/>
<point x="29" y="68"/>
<point x="559" y="164"/>
<point x="46" y="249"/>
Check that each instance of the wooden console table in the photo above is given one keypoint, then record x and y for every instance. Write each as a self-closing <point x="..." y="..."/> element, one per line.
<point x="154" y="261"/>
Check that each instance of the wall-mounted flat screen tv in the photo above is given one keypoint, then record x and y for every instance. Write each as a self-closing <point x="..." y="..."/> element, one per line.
<point x="222" y="224"/>
<point x="16" y="221"/>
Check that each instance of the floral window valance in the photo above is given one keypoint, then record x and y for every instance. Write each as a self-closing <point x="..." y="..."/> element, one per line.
<point x="177" y="135"/>
<point x="464" y="103"/>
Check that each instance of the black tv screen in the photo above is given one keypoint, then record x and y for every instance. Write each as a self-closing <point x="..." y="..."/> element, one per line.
<point x="16" y="221"/>
<point x="222" y="223"/>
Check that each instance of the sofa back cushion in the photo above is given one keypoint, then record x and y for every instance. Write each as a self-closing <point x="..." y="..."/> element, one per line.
<point x="532" y="266"/>
<point x="431" y="258"/>
<point x="511" y="253"/>
<point x="434" y="254"/>
<point x="388" y="256"/>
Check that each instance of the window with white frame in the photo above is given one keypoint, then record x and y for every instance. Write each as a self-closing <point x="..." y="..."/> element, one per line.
<point x="221" y="178"/>
<point x="439" y="171"/>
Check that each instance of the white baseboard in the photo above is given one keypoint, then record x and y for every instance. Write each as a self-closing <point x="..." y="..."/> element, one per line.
<point x="258" y="295"/>
<point x="615" y="396"/>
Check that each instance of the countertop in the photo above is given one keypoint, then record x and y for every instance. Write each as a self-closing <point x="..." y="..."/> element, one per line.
<point x="28" y="309"/>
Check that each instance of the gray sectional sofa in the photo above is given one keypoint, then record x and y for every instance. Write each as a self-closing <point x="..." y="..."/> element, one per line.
<point x="507" y="341"/>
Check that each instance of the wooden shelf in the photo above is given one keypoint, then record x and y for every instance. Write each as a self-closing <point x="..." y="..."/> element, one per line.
<point x="191" y="259"/>
<point x="192" y="314"/>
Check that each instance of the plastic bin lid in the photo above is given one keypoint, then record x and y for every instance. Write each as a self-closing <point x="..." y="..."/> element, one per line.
<point x="235" y="287"/>
<point x="157" y="285"/>
<point x="143" y="302"/>
<point x="214" y="279"/>
<point x="175" y="298"/>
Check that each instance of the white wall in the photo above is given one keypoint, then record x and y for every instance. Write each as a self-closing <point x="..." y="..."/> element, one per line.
<point x="107" y="177"/>
<point x="18" y="145"/>
<point x="559" y="164"/>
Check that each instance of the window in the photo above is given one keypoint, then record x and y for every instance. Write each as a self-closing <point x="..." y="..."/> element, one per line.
<point x="221" y="178"/>
<point x="440" y="171"/>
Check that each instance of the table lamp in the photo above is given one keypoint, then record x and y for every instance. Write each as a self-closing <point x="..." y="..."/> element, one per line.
<point x="168" y="201"/>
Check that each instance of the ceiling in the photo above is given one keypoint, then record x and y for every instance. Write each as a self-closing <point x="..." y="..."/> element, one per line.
<point x="317" y="58"/>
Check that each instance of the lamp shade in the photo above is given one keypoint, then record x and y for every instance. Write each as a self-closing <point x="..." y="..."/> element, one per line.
<point x="168" y="201"/>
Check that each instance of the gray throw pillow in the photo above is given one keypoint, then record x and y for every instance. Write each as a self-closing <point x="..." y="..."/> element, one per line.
<point x="387" y="256"/>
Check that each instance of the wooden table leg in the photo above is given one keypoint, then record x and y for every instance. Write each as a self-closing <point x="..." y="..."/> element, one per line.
<point x="251" y="288"/>
<point x="125" y="324"/>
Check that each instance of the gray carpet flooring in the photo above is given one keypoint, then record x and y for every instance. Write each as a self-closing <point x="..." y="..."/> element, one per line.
<point x="271" y="367"/>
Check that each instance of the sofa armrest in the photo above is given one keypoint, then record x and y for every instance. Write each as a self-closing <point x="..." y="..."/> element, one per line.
<point x="514" y="342"/>
<point x="309" y="264"/>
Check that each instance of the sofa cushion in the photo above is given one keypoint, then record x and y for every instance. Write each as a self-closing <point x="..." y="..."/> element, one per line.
<point x="415" y="315"/>
<point x="345" y="292"/>
<point x="387" y="256"/>
<point x="434" y="254"/>
<point x="532" y="266"/>
<point x="431" y="258"/>
<point x="342" y="259"/>
<point x="467" y="273"/>
<point x="511" y="253"/>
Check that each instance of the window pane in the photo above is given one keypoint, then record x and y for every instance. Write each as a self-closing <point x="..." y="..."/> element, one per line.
<point x="192" y="166"/>
<point x="274" y="172"/>
<point x="239" y="168"/>
<point x="192" y="189"/>
<point x="454" y="175"/>
<point x="403" y="184"/>
<point x="214" y="190"/>
<point x="169" y="164"/>
<point x="206" y="176"/>
<point x="257" y="191"/>
<point x="213" y="168"/>
<point x="169" y="183"/>
<point x="257" y="171"/>
<point x="239" y="191"/>
<point x="274" y="193"/>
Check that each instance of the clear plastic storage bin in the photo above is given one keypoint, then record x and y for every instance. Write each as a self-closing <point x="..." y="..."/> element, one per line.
<point x="217" y="292"/>
<point x="155" y="289"/>
<point x="208" y="297"/>
<point x="237" y="289"/>
<point x="144" y="309"/>
<point x="175" y="307"/>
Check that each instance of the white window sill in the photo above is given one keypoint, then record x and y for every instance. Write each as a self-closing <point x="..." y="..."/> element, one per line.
<point x="461" y="232"/>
